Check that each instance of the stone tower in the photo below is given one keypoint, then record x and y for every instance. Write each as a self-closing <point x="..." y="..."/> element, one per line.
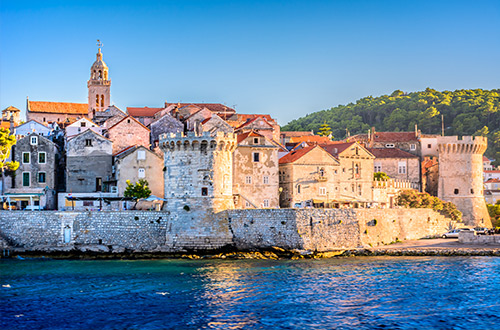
<point x="461" y="176"/>
<point x="198" y="183"/>
<point x="99" y="86"/>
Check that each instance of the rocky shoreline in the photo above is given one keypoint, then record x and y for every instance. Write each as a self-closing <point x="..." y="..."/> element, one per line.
<point x="275" y="253"/>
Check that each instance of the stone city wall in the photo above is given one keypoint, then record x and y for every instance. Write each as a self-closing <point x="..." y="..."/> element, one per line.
<point x="147" y="231"/>
<point x="470" y="237"/>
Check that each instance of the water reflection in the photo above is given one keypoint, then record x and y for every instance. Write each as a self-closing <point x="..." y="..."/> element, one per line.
<point x="363" y="293"/>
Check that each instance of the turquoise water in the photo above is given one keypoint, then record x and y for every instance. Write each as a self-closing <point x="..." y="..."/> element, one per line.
<point x="347" y="293"/>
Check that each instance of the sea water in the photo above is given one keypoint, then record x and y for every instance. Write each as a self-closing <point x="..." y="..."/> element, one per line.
<point x="344" y="293"/>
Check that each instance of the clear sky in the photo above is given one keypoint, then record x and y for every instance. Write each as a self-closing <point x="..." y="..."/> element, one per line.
<point x="285" y="58"/>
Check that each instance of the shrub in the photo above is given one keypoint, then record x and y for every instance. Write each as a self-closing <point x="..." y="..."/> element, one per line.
<point x="415" y="199"/>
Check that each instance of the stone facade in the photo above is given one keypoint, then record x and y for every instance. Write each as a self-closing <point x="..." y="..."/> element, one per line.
<point x="461" y="176"/>
<point x="164" y="125"/>
<point x="139" y="163"/>
<point x="141" y="231"/>
<point x="81" y="125"/>
<point x="255" y="172"/>
<point x="198" y="182"/>
<point x="99" y="86"/>
<point x="397" y="164"/>
<point x="308" y="175"/>
<point x="88" y="162"/>
<point x="128" y="132"/>
<point x="36" y="173"/>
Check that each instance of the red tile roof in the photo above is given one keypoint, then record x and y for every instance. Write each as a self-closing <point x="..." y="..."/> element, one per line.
<point x="143" y="112"/>
<point x="296" y="133"/>
<point x="123" y="150"/>
<point x="486" y="159"/>
<point x="58" y="107"/>
<point x="394" y="137"/>
<point x="249" y="121"/>
<point x="295" y="155"/>
<point x="310" y="139"/>
<point x="493" y="171"/>
<point x="11" y="108"/>
<point x="390" y="153"/>
<point x="214" y="107"/>
<point x="130" y="117"/>
<point x="335" y="149"/>
<point x="493" y="181"/>
<point x="243" y="136"/>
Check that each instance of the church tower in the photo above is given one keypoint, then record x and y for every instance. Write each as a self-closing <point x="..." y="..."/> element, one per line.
<point x="99" y="86"/>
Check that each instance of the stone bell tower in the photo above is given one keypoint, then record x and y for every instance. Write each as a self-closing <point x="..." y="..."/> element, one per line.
<point x="99" y="85"/>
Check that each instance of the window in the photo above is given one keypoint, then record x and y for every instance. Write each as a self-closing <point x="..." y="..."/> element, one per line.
<point x="321" y="172"/>
<point x="41" y="158"/>
<point x="34" y="140"/>
<point x="204" y="191"/>
<point x="429" y="146"/>
<point x="41" y="177"/>
<point x="389" y="145"/>
<point x="88" y="143"/>
<point x="26" y="157"/>
<point x="357" y="151"/>
<point x="456" y="191"/>
<point x="413" y="147"/>
<point x="265" y="180"/>
<point x="352" y="187"/>
<point x="141" y="154"/>
<point x="266" y="203"/>
<point x="322" y="191"/>
<point x="255" y="140"/>
<point x="402" y="167"/>
<point x="298" y="189"/>
<point x="378" y="168"/>
<point x="128" y="121"/>
<point x="82" y="124"/>
<point x="247" y="204"/>
<point x="98" y="184"/>
<point x="256" y="157"/>
<point x="472" y="191"/>
<point x="26" y="179"/>
<point x="141" y="173"/>
<point x="248" y="180"/>
<point x="359" y="189"/>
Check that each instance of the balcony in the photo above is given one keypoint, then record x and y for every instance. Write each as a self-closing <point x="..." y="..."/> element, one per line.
<point x="320" y="178"/>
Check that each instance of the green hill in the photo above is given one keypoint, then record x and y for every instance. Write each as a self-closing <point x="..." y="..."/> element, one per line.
<point x="466" y="112"/>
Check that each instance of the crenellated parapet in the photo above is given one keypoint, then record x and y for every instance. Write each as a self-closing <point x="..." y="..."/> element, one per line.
<point x="465" y="145"/>
<point x="197" y="142"/>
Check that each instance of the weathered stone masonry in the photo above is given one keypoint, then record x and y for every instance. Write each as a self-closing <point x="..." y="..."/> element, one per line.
<point x="145" y="231"/>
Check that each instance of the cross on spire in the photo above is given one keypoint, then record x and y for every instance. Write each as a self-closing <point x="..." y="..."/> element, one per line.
<point x="99" y="43"/>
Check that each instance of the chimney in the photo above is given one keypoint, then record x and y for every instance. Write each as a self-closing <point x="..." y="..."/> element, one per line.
<point x="416" y="131"/>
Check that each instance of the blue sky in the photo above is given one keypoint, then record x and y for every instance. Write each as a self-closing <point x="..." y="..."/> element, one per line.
<point x="285" y="58"/>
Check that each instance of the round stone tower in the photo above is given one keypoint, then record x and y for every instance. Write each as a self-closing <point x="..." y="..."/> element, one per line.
<point x="461" y="176"/>
<point x="198" y="183"/>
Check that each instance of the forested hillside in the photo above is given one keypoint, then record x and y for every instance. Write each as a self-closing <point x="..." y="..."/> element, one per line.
<point x="466" y="112"/>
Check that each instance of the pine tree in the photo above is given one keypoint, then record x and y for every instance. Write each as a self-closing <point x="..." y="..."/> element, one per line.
<point x="325" y="129"/>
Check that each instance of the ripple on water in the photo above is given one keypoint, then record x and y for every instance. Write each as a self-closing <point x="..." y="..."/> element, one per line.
<point x="362" y="293"/>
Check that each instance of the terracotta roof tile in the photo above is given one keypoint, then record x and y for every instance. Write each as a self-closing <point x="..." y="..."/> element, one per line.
<point x="295" y="155"/>
<point x="118" y="122"/>
<point x="390" y="153"/>
<point x="11" y="108"/>
<point x="296" y="133"/>
<point x="493" y="181"/>
<point x="493" y="171"/>
<point x="394" y="137"/>
<point x="310" y="139"/>
<point x="58" y="107"/>
<point x="143" y="112"/>
<point x="243" y="136"/>
<point x="335" y="149"/>
<point x="249" y="121"/>
<point x="485" y="159"/>
<point x="214" y="107"/>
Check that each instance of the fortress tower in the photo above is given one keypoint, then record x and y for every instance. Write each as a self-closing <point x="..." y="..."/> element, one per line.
<point x="198" y="183"/>
<point x="461" y="176"/>
<point x="99" y="86"/>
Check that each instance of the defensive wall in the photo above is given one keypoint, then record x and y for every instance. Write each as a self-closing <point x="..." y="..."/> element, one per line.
<point x="147" y="231"/>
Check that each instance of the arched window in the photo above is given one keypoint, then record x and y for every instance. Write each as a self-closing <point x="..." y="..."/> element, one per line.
<point x="97" y="100"/>
<point x="356" y="169"/>
<point x="102" y="101"/>
<point x="94" y="75"/>
<point x="100" y="74"/>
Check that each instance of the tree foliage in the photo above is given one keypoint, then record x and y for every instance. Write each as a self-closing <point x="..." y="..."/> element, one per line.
<point x="415" y="199"/>
<point x="137" y="190"/>
<point x="6" y="143"/>
<point x="465" y="112"/>
<point x="325" y="130"/>
<point x="494" y="211"/>
<point x="380" y="176"/>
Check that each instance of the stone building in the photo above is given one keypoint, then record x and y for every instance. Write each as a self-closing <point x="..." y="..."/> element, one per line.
<point x="255" y="172"/>
<point x="356" y="171"/>
<point x="407" y="141"/>
<point x="11" y="117"/>
<point x="128" y="132"/>
<point x="461" y="176"/>
<point x="99" y="86"/>
<point x="144" y="115"/>
<point x="309" y="177"/>
<point x="58" y="112"/>
<point x="31" y="126"/>
<point x="198" y="184"/>
<point x="35" y="179"/>
<point x="89" y="158"/>
<point x="164" y="125"/>
<point x="492" y="191"/>
<point x="81" y="125"/>
<point x="135" y="163"/>
<point x="397" y="164"/>
<point x="108" y="117"/>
